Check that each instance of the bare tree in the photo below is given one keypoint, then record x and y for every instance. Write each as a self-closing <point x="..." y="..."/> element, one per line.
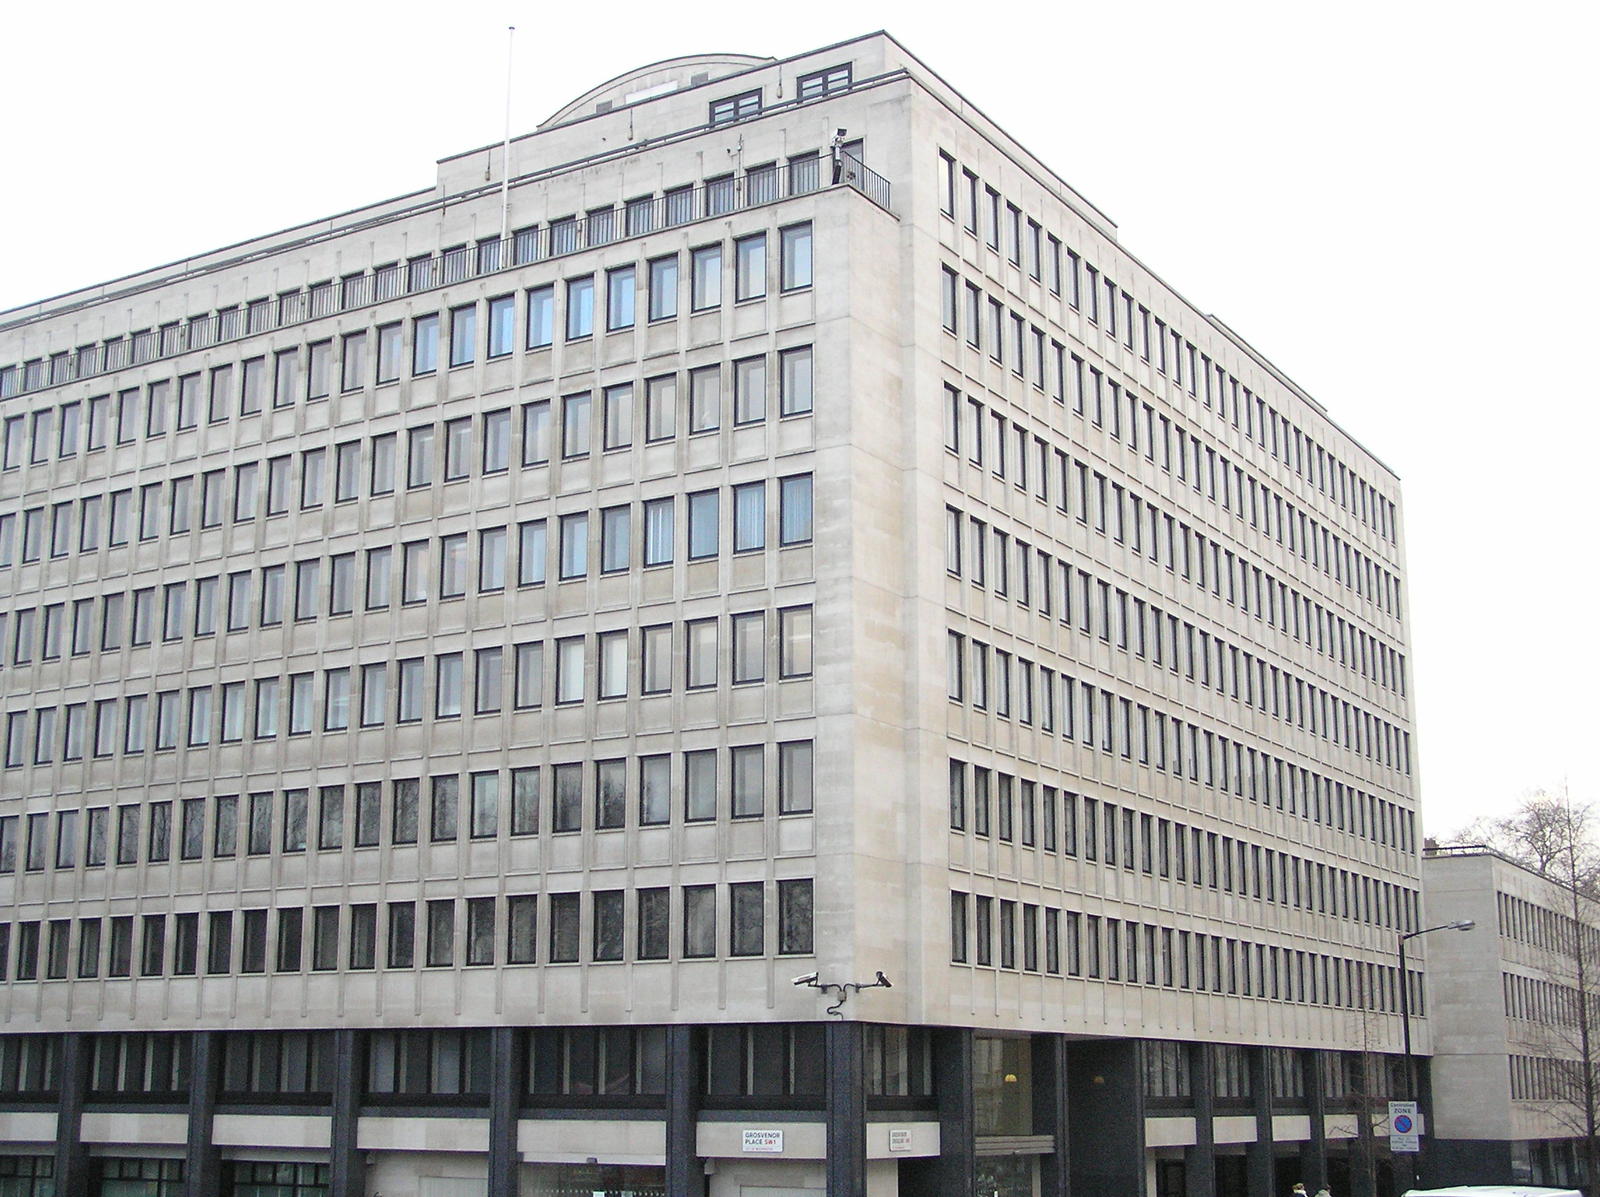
<point x="1560" y="840"/>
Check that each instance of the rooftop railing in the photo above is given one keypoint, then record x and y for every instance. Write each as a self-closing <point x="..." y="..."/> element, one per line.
<point x="679" y="206"/>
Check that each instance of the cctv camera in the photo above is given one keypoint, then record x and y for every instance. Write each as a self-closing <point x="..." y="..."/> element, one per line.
<point x="841" y="132"/>
<point x="883" y="980"/>
<point x="807" y="979"/>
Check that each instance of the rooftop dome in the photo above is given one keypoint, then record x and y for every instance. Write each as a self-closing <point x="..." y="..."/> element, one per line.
<point x="657" y="79"/>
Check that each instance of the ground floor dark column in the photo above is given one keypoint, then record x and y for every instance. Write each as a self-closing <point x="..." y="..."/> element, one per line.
<point x="505" y="1089"/>
<point x="1200" y="1161"/>
<point x="72" y="1157"/>
<point x="202" y="1169"/>
<point x="347" y="1166"/>
<point x="847" y="1109"/>
<point x="1105" y="1118"/>
<point x="1258" y="1159"/>
<point x="1363" y="1150"/>
<point x="1314" y="1151"/>
<point x="686" y="1175"/>
<point x="1050" y="1112"/>
<point x="955" y="1169"/>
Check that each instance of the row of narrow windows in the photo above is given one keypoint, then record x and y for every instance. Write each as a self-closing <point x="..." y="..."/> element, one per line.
<point x="694" y="786"/>
<point x="758" y="185"/>
<point x="1118" y="512"/>
<point x="1000" y="933"/>
<point x="1013" y="809"/>
<point x="715" y="395"/>
<point x="1143" y="629"/>
<point x="1205" y="471"/>
<point x="1540" y="927"/>
<point x="741" y="918"/>
<point x="768" y="1060"/>
<point x="1530" y="999"/>
<point x="608" y="665"/>
<point x="572" y="547"/>
<point x="1033" y="695"/>
<point x="1092" y="292"/>
<point x="463" y="447"/>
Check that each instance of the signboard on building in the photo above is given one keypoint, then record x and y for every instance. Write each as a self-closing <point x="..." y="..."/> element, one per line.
<point x="1404" y="1135"/>
<point x="768" y="1142"/>
<point x="899" y="1139"/>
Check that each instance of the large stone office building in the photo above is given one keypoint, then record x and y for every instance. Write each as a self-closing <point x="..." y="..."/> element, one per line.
<point x="465" y="660"/>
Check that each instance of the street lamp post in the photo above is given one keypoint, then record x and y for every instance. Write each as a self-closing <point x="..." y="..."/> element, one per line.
<point x="1405" y="1017"/>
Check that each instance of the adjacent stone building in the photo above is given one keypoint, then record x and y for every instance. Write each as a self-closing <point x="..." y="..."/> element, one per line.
<point x="1507" y="1104"/>
<point x="469" y="661"/>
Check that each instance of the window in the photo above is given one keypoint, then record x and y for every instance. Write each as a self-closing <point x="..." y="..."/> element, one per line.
<point x="496" y="441"/>
<point x="536" y="433"/>
<point x="532" y="552"/>
<point x="457" y="448"/>
<point x="736" y="108"/>
<point x="425" y="344"/>
<point x="705" y="399"/>
<point x="795" y="917"/>
<point x="570" y="669"/>
<point x="705" y="277"/>
<point x="463" y="335"/>
<point x="318" y="369"/>
<point x="795" y="246"/>
<point x="502" y="324"/>
<point x="795" y="381"/>
<point x="655" y="914"/>
<point x="574" y="545"/>
<point x="484" y="818"/>
<point x="794" y="777"/>
<point x="749" y="780"/>
<point x="620" y="292"/>
<point x="750" y="267"/>
<point x="655" y="665"/>
<point x="746" y="909"/>
<point x="749" y="517"/>
<point x="794" y="642"/>
<point x="419" y="456"/>
<point x="794" y="507"/>
<point x="703" y="519"/>
<point x="580" y="307"/>
<point x="541" y="316"/>
<point x="750" y="390"/>
<point x="389" y="353"/>
<point x="614" y="529"/>
<point x="821" y="83"/>
<point x="658" y="529"/>
<point x="749" y="647"/>
<point x="618" y="416"/>
<point x="699" y="921"/>
<point x="441" y="933"/>
<point x="664" y="288"/>
<point x="575" y="425"/>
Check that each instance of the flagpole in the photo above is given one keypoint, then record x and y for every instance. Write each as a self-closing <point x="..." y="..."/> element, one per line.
<point x="505" y="147"/>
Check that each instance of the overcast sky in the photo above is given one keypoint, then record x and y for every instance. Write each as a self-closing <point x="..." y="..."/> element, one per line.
<point x="1394" y="201"/>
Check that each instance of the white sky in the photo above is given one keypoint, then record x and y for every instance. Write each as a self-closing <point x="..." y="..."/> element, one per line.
<point x="1394" y="201"/>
